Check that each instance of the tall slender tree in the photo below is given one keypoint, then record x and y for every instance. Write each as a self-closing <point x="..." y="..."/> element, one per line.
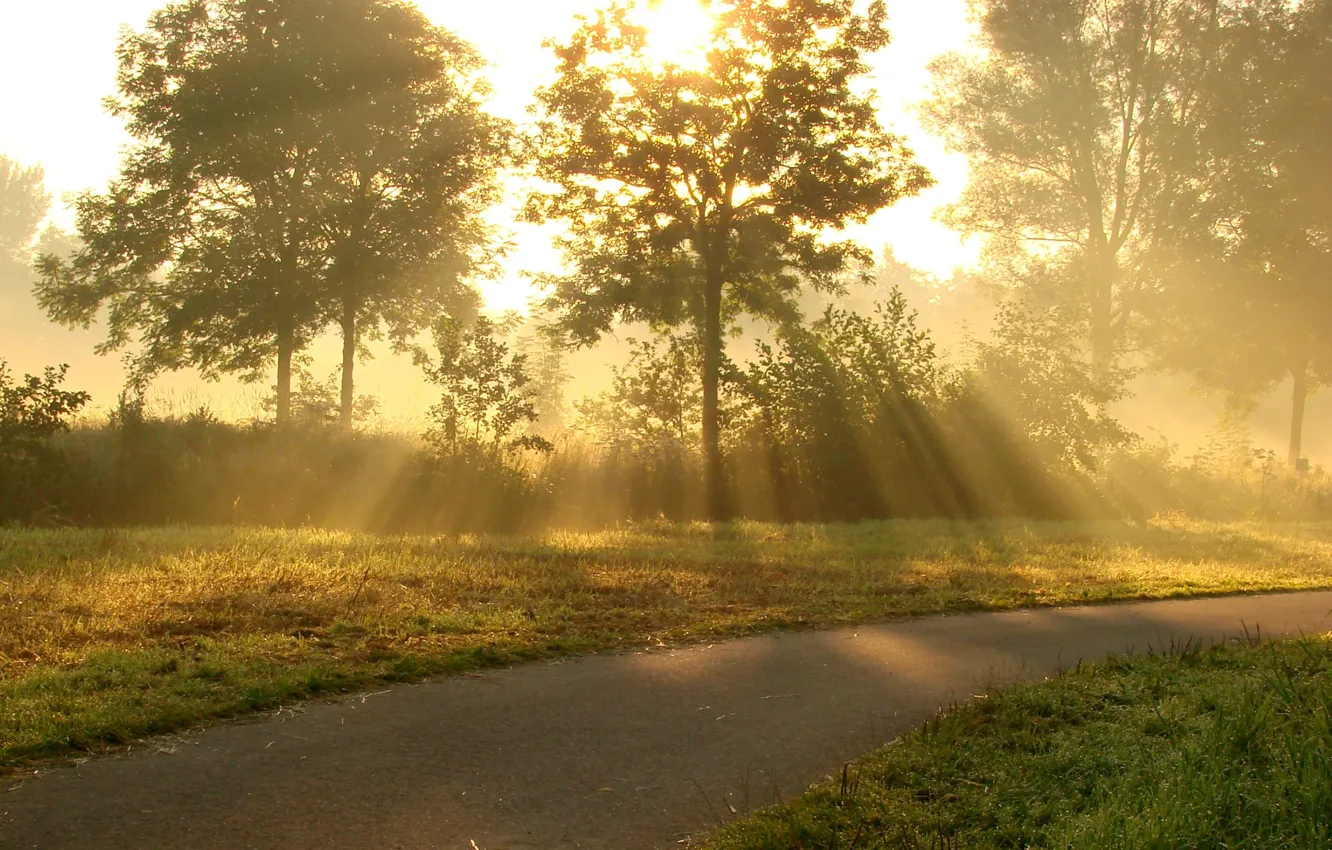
<point x="693" y="193"/>
<point x="407" y="163"/>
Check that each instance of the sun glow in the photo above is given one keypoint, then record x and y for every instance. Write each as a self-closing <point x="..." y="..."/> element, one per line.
<point x="678" y="31"/>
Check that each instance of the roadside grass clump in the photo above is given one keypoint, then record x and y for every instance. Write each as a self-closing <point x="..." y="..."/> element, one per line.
<point x="107" y="635"/>
<point x="1199" y="748"/>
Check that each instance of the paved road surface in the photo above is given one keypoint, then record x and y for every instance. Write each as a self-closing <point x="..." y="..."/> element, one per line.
<point x="617" y="752"/>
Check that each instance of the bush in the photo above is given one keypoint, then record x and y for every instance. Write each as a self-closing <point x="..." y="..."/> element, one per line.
<point x="852" y="417"/>
<point x="32" y="410"/>
<point x="140" y="469"/>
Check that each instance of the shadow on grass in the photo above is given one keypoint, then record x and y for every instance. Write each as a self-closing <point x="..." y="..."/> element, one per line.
<point x="275" y="616"/>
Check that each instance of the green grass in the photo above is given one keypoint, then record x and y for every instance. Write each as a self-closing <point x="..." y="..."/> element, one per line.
<point x="1222" y="748"/>
<point x="107" y="636"/>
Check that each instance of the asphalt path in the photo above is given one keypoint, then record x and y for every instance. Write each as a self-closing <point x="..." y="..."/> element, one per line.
<point x="613" y="752"/>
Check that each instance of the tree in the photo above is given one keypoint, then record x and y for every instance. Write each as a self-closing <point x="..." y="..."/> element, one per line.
<point x="24" y="202"/>
<point x="203" y="246"/>
<point x="647" y="425"/>
<point x="296" y="161"/>
<point x="486" y="393"/>
<point x="846" y="410"/>
<point x="1066" y="116"/>
<point x="32" y="410"/>
<point x="407" y="159"/>
<point x="1250" y="236"/>
<point x="549" y="377"/>
<point x="1032" y="373"/>
<point x="693" y="195"/>
<point x="319" y="403"/>
<point x="653" y="406"/>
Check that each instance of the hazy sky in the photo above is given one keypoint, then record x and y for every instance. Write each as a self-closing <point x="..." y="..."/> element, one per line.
<point x="57" y="61"/>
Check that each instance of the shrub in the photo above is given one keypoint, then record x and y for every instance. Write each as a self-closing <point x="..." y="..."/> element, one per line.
<point x="32" y="410"/>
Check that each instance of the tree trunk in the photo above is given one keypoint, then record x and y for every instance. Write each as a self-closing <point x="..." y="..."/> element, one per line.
<point x="1299" y="396"/>
<point x="348" y="362"/>
<point x="1102" y="318"/>
<point x="286" y="346"/>
<point x="714" y="482"/>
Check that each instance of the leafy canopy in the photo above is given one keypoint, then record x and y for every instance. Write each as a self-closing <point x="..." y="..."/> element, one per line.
<point x="1066" y="116"/>
<point x="285" y="153"/>
<point x="1251" y="233"/>
<point x="664" y="172"/>
<point x="23" y="204"/>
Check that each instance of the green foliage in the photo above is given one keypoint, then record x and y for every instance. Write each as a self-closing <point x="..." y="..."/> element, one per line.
<point x="486" y="394"/>
<point x="295" y="163"/>
<point x="549" y="378"/>
<point x="734" y="164"/>
<point x="1067" y="115"/>
<point x="1227" y="747"/>
<point x="1035" y="374"/>
<point x="1251" y="225"/>
<point x="406" y="170"/>
<point x="695" y="195"/>
<point x="846" y="414"/>
<point x="203" y="247"/>
<point x="148" y="468"/>
<point x="1228" y="476"/>
<point x="315" y="402"/>
<point x="855" y="417"/>
<point x="35" y="408"/>
<point x="23" y="204"/>
<point x="654" y="402"/>
<point x="32" y="411"/>
<point x="647" y="428"/>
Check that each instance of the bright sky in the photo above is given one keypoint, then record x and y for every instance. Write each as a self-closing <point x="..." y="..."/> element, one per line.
<point x="57" y="61"/>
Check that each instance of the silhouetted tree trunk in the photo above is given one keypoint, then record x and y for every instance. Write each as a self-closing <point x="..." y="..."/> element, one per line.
<point x="1299" y="396"/>
<point x="286" y="346"/>
<point x="349" y="339"/>
<point x="781" y="494"/>
<point x="713" y="472"/>
<point x="1103" y="271"/>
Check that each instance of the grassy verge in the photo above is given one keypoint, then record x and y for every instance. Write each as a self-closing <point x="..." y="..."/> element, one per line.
<point x="1204" y="749"/>
<point x="106" y="636"/>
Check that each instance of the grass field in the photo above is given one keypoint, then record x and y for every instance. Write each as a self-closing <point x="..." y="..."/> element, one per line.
<point x="107" y="636"/>
<point x="1222" y="748"/>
